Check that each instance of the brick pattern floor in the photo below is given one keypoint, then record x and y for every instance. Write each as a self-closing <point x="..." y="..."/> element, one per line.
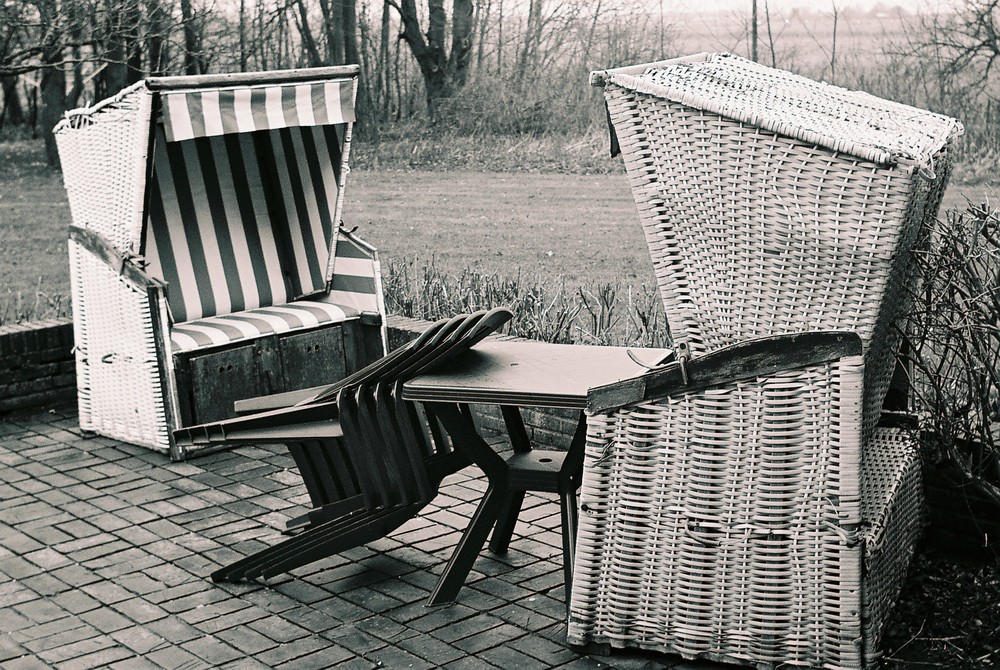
<point x="105" y="551"/>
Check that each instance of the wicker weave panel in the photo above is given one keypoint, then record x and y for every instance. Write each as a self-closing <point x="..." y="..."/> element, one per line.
<point x="752" y="233"/>
<point x="725" y="523"/>
<point x="892" y="507"/>
<point x="103" y="155"/>
<point x="118" y="374"/>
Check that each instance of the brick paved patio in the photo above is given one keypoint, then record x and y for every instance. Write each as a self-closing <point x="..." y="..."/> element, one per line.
<point x="105" y="549"/>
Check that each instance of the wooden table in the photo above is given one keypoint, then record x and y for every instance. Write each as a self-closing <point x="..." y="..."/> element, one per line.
<point x="529" y="374"/>
<point x="514" y="374"/>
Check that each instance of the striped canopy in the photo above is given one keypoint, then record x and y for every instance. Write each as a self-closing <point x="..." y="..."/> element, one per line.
<point x="188" y="114"/>
<point x="242" y="209"/>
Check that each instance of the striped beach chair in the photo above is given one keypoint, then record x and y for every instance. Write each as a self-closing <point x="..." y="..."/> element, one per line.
<point x="209" y="262"/>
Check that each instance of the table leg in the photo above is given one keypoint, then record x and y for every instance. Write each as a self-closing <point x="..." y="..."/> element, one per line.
<point x="520" y="442"/>
<point x="464" y="434"/>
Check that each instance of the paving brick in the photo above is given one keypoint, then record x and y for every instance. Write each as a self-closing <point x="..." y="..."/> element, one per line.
<point x="431" y="649"/>
<point x="328" y="656"/>
<point x="140" y="640"/>
<point x="350" y="637"/>
<point x="278" y="629"/>
<point x="211" y="649"/>
<point x="175" y="658"/>
<point x="26" y="663"/>
<point x="44" y="584"/>
<point x="173" y="630"/>
<point x="247" y="640"/>
<point x="502" y="634"/>
<point x="246" y="614"/>
<point x="78" y="649"/>
<point x="10" y="649"/>
<point x="41" y="611"/>
<point x="289" y="651"/>
<point x="504" y="656"/>
<point x="468" y="663"/>
<point x="140" y="611"/>
<point x="134" y="663"/>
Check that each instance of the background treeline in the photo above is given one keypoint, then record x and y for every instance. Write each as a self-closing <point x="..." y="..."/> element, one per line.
<point x="488" y="67"/>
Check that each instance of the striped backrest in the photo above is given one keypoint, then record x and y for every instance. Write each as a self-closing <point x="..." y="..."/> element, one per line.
<point x="242" y="220"/>
<point x="357" y="281"/>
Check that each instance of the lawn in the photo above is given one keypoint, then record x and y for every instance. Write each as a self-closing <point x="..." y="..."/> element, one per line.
<point x="580" y="229"/>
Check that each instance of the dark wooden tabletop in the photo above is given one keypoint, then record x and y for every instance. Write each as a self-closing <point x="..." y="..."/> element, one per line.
<point x="534" y="374"/>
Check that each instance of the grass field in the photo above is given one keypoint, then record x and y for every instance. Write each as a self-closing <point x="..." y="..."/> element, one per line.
<point x="580" y="229"/>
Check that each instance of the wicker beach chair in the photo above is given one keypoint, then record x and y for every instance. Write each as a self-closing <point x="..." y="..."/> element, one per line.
<point x="764" y="519"/>
<point x="208" y="262"/>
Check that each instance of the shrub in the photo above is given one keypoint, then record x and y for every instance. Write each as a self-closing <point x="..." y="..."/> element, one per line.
<point x="954" y="329"/>
<point x="607" y="314"/>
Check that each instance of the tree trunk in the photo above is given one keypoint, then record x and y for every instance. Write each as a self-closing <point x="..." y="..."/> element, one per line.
<point x="350" y="31"/>
<point x="53" y="91"/>
<point x="192" y="40"/>
<point x="442" y="73"/>
<point x="156" y="41"/>
<point x="382" y="67"/>
<point x="307" y="37"/>
<point x="13" y="112"/>
<point x="462" y="25"/>
<point x="333" y="27"/>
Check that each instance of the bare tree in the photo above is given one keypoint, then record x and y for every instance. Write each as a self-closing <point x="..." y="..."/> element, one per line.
<point x="968" y="39"/>
<point x="444" y="71"/>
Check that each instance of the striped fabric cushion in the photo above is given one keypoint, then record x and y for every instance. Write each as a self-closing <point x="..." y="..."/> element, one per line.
<point x="356" y="277"/>
<point x="241" y="109"/>
<point x="221" y="330"/>
<point x="242" y="221"/>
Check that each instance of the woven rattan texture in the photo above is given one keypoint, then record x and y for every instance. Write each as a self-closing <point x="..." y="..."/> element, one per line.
<point x="836" y="118"/>
<point x="752" y="233"/>
<point x="103" y="156"/>
<point x="892" y="509"/>
<point x="118" y="375"/>
<point x="729" y="524"/>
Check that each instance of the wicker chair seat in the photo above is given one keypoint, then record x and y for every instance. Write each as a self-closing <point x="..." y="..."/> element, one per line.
<point x="748" y="521"/>
<point x="214" y="331"/>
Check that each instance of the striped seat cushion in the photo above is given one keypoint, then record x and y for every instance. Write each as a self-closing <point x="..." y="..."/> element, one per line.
<point x="216" y="331"/>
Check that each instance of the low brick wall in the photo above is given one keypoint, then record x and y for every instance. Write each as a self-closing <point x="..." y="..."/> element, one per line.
<point x="36" y="364"/>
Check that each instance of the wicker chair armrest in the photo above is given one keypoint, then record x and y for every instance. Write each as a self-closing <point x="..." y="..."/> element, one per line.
<point x="746" y="360"/>
<point x="121" y="262"/>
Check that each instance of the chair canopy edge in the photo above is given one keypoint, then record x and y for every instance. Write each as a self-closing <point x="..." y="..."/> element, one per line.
<point x="251" y="78"/>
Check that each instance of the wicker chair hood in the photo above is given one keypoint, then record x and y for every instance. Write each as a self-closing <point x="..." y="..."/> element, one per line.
<point x="832" y="117"/>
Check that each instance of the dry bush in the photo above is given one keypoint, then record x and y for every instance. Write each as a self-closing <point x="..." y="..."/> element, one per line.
<point x="608" y="314"/>
<point x="954" y="328"/>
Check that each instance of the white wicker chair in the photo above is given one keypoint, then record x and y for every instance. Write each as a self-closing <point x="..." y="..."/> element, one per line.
<point x="207" y="259"/>
<point x="767" y="519"/>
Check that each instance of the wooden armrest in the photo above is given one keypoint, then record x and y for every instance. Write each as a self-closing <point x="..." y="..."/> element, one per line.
<point x="746" y="360"/>
<point x="122" y="264"/>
